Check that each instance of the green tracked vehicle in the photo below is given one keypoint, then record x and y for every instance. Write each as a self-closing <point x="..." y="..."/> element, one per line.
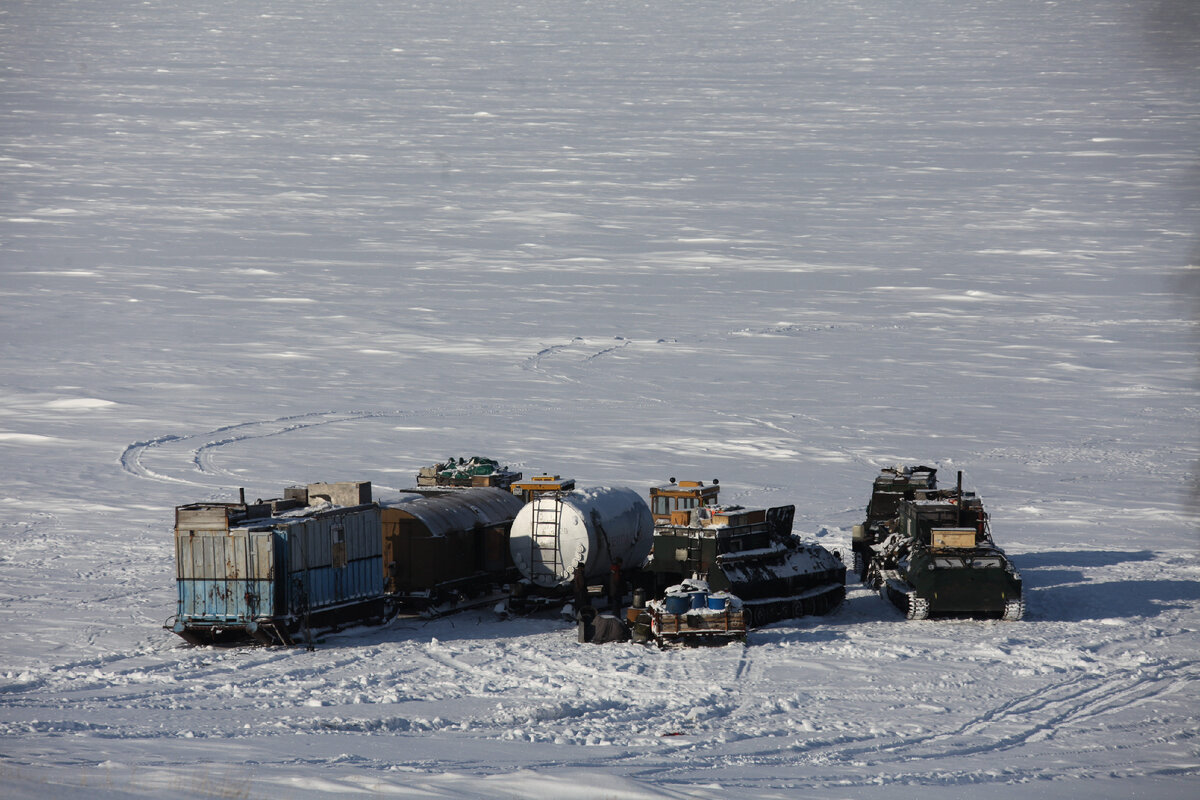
<point x="750" y="553"/>
<point x="936" y="557"/>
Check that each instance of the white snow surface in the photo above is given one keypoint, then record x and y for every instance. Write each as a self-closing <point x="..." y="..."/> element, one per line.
<point x="781" y="243"/>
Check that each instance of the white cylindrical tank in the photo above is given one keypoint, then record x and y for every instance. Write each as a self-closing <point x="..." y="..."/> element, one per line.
<point x="553" y="534"/>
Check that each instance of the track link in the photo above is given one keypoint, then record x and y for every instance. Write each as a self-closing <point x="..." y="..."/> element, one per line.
<point x="918" y="608"/>
<point x="1014" y="609"/>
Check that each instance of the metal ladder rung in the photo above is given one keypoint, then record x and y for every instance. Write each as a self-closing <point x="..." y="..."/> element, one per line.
<point x="545" y="534"/>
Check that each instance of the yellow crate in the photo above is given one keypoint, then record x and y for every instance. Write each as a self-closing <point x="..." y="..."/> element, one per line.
<point x="953" y="538"/>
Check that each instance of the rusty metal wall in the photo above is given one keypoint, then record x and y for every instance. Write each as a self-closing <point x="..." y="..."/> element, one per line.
<point x="225" y="576"/>
<point x="216" y="555"/>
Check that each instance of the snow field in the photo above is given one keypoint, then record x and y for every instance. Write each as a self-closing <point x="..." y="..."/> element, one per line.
<point x="782" y="244"/>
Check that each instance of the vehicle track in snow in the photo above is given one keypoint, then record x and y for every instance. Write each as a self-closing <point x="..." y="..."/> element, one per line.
<point x="131" y="459"/>
<point x="583" y="351"/>
<point x="181" y="447"/>
<point x="1072" y="711"/>
<point x="191" y="458"/>
<point x="204" y="456"/>
<point x="577" y="696"/>
<point x="1052" y="711"/>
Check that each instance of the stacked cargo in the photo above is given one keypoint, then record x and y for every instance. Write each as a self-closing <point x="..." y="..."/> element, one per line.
<point x="475" y="471"/>
<point x="690" y="613"/>
<point x="892" y="485"/>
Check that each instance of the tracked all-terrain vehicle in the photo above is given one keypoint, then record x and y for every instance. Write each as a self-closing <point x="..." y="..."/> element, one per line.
<point x="935" y="556"/>
<point x="749" y="553"/>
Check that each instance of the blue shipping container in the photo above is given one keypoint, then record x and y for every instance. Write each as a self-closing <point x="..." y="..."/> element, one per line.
<point x="259" y="572"/>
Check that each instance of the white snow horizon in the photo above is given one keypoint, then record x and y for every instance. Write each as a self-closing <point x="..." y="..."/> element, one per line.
<point x="782" y="243"/>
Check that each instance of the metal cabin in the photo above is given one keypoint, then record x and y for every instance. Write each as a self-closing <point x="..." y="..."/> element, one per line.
<point x="690" y="545"/>
<point x="540" y="485"/>
<point x="447" y="548"/>
<point x="269" y="570"/>
<point x="939" y="518"/>
<point x="681" y="497"/>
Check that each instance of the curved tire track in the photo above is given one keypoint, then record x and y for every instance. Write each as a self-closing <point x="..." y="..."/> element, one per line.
<point x="201" y="458"/>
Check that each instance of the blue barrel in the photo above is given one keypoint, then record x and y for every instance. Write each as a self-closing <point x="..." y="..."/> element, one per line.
<point x="716" y="602"/>
<point x="678" y="603"/>
<point x="699" y="599"/>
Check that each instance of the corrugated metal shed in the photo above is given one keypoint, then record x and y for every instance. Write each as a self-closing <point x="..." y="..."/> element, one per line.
<point x="236" y="571"/>
<point x="463" y="510"/>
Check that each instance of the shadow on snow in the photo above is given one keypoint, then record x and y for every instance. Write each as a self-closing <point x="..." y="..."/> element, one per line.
<point x="1109" y="599"/>
<point x="1080" y="558"/>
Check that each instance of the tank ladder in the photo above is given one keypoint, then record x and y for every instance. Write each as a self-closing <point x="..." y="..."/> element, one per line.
<point x="545" y="553"/>
<point x="695" y="553"/>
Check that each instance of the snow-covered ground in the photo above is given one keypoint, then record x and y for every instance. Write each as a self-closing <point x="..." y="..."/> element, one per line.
<point x="777" y="243"/>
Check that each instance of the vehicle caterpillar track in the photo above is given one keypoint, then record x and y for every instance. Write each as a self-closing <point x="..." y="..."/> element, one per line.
<point x="1014" y="609"/>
